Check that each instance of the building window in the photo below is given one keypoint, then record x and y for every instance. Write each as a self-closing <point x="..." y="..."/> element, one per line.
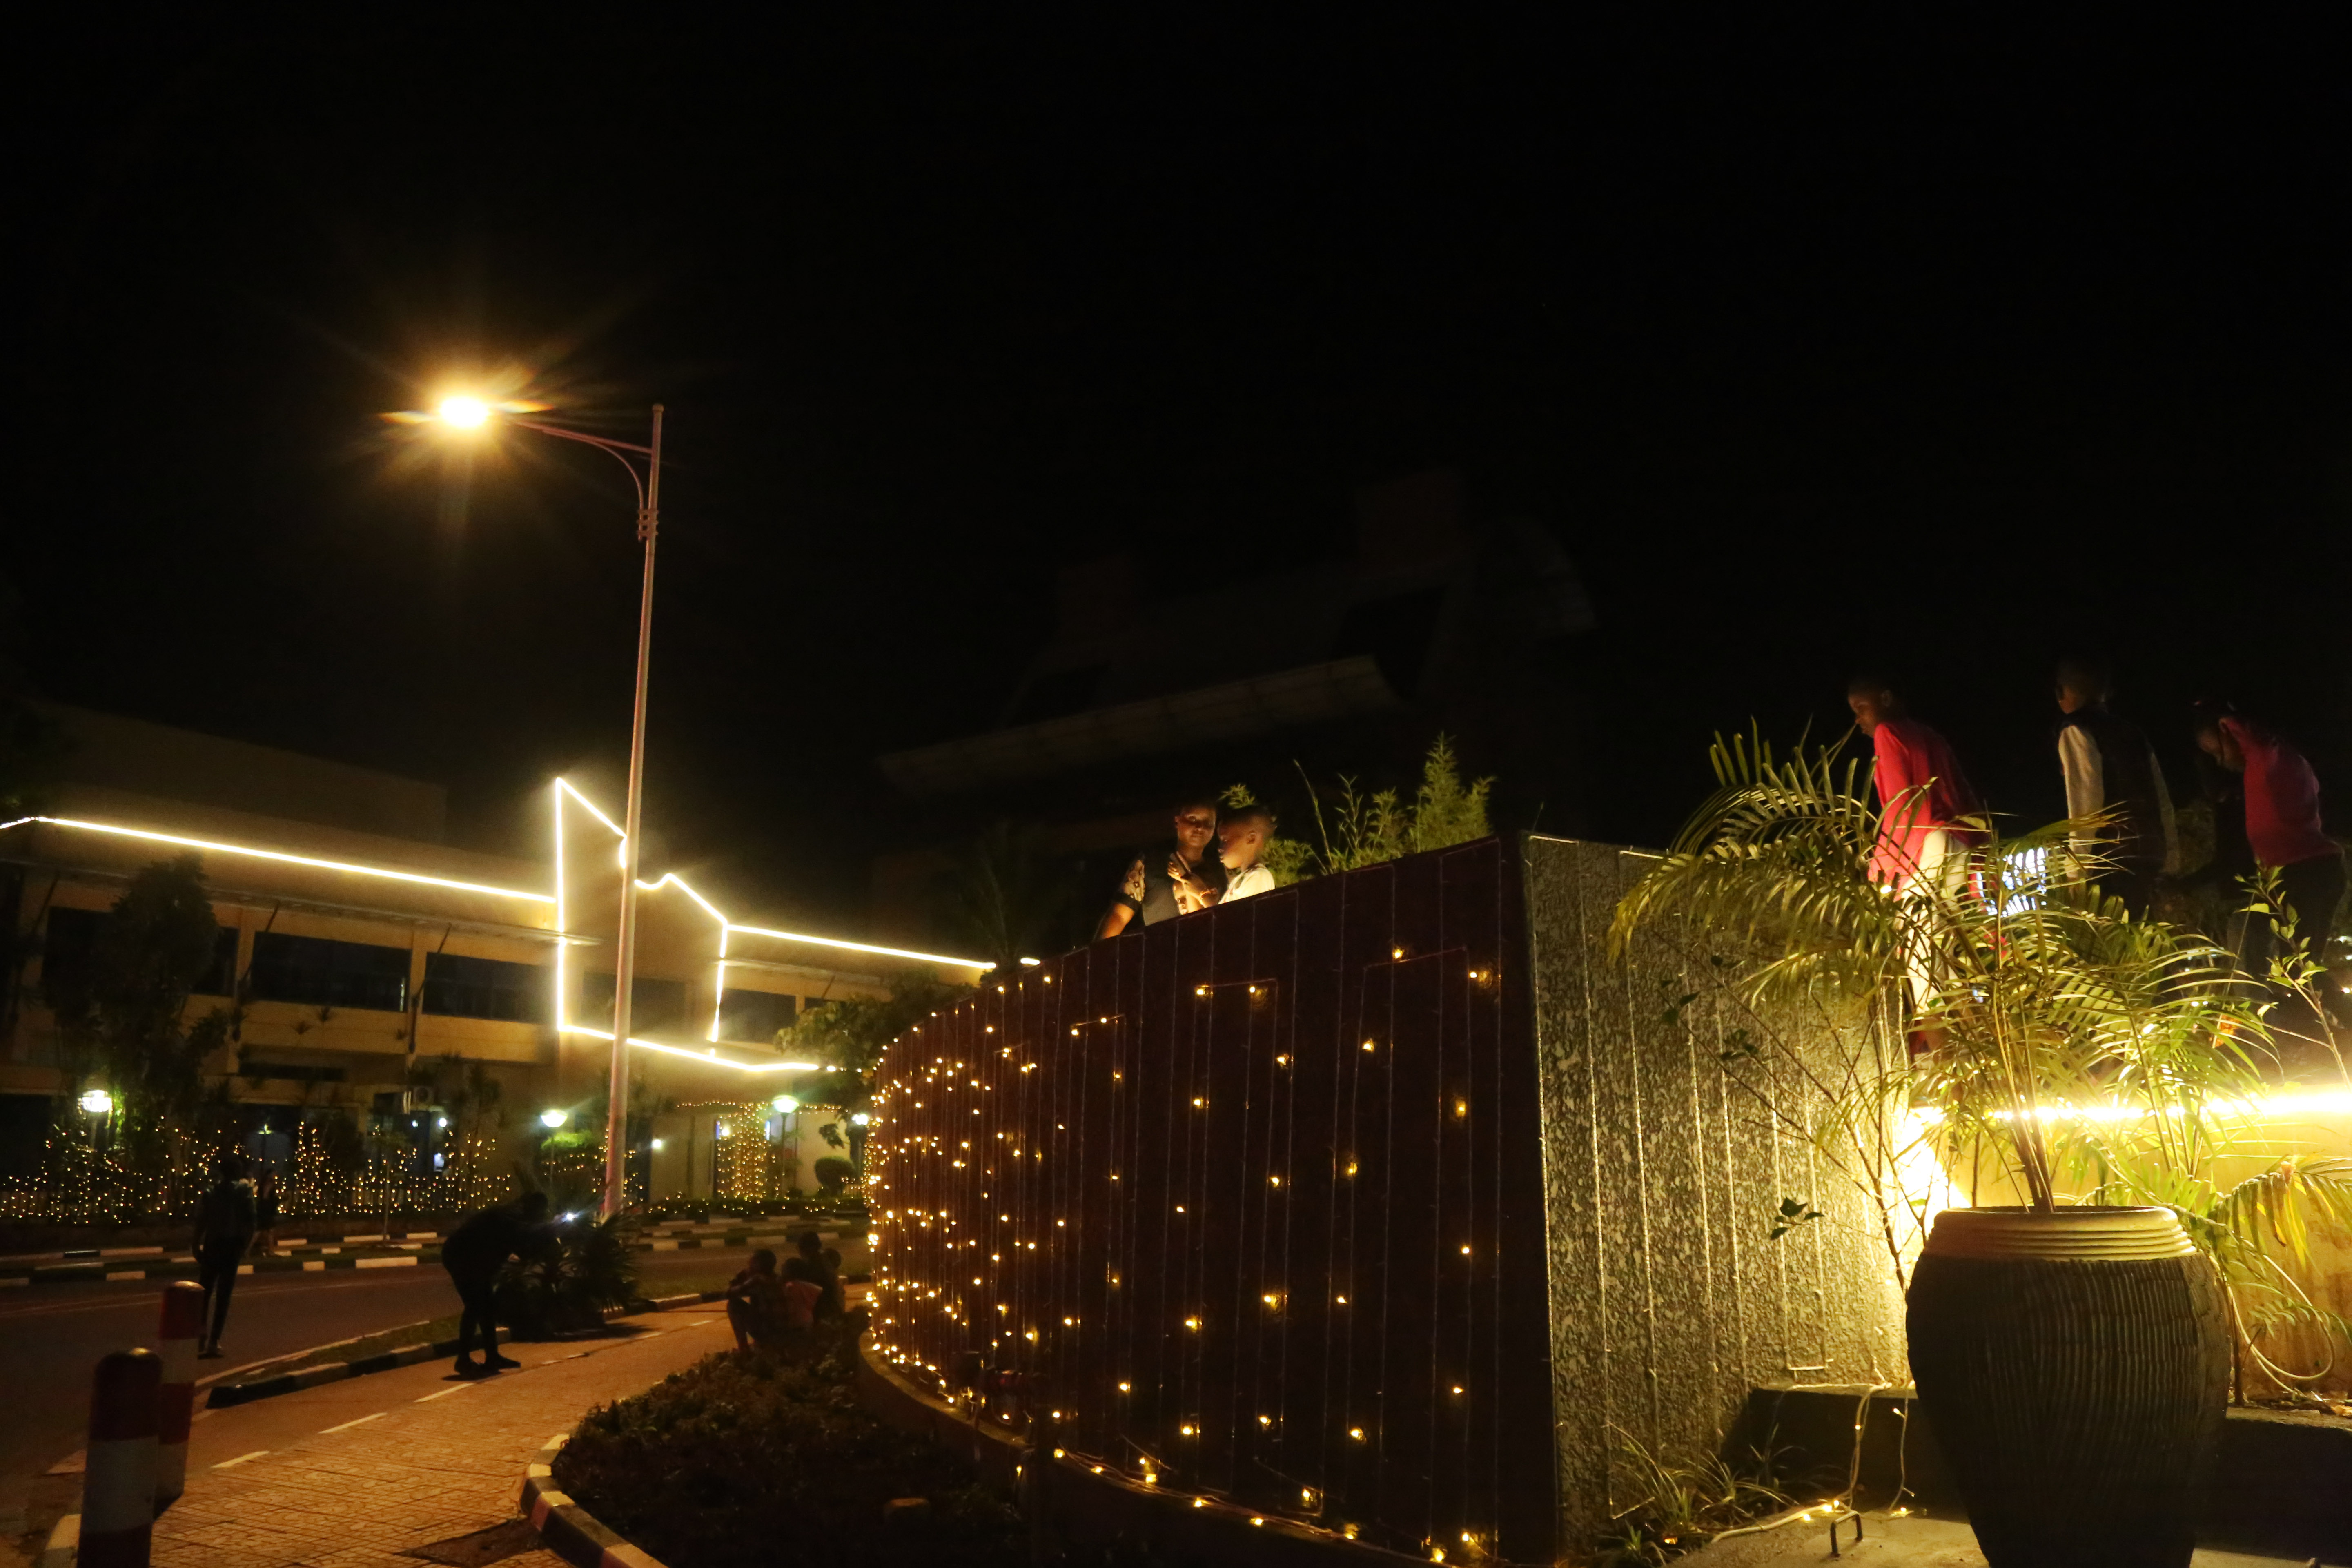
<point x="322" y="973"/>
<point x="754" y="1016"/>
<point x="220" y="980"/>
<point x="458" y="987"/>
<point x="652" y="1003"/>
<point x="71" y="941"/>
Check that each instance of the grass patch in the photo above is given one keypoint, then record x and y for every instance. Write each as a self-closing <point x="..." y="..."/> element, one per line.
<point x="756" y="1459"/>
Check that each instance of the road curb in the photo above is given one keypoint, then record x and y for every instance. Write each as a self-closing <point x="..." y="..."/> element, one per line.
<point x="223" y="1395"/>
<point x="141" y="1265"/>
<point x="569" y="1531"/>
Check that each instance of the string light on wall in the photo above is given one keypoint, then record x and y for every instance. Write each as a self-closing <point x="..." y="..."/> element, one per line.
<point x="1056" y="1275"/>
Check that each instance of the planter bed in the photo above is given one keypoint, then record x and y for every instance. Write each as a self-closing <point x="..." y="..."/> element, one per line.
<point x="759" y="1458"/>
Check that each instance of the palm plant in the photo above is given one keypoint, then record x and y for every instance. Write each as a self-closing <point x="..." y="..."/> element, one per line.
<point x="2068" y="1046"/>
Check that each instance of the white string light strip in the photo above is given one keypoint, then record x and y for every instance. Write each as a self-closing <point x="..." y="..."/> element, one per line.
<point x="218" y="846"/>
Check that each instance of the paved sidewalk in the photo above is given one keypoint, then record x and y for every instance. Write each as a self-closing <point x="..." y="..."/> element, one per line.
<point x="321" y="1482"/>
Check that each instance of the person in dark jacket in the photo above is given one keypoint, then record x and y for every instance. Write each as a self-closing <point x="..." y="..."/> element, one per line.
<point x="1180" y="877"/>
<point x="2110" y="768"/>
<point x="224" y="1224"/>
<point x="473" y="1254"/>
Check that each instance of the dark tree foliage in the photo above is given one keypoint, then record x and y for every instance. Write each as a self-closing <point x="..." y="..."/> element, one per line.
<point x="851" y="1035"/>
<point x="122" y="1017"/>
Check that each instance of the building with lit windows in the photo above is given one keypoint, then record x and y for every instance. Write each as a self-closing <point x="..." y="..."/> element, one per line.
<point x="363" y="946"/>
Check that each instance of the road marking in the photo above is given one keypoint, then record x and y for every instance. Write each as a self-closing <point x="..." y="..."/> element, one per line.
<point x="386" y="1262"/>
<point x="360" y="1422"/>
<point x="241" y="1459"/>
<point x="447" y="1393"/>
<point x="310" y="1266"/>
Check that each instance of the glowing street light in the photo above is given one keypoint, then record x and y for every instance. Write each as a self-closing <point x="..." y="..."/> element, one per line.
<point x="552" y="1119"/>
<point x="465" y="413"/>
<point x="786" y="1103"/>
<point x="97" y="1102"/>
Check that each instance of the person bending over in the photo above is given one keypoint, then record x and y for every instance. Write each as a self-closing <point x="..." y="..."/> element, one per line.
<point x="473" y="1254"/>
<point x="1179" y="879"/>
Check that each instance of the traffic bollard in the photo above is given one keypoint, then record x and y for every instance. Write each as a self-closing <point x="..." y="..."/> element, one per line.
<point x="175" y="1404"/>
<point x="117" y="1489"/>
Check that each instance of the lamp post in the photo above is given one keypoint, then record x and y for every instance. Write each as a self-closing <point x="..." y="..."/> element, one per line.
<point x="468" y="414"/>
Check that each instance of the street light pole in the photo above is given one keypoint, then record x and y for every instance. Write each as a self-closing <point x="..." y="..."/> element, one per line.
<point x="472" y="413"/>
<point x="616" y="1120"/>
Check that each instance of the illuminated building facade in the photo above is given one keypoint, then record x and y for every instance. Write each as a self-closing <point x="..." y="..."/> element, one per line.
<point x="368" y="953"/>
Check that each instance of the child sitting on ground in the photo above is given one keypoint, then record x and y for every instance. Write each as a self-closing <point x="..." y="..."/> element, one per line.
<point x="756" y="1303"/>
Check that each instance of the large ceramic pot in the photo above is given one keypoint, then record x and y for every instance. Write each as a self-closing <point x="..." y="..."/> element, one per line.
<point x="2074" y="1366"/>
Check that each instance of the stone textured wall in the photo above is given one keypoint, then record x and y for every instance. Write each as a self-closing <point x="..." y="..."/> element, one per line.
<point x="1662" y="1174"/>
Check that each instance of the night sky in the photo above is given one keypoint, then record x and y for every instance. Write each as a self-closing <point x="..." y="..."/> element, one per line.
<point x="1945" y="348"/>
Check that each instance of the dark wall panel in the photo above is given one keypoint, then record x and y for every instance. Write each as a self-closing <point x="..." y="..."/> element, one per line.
<point x="1233" y="1161"/>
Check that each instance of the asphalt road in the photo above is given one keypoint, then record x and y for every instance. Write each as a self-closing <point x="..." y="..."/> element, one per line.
<point x="51" y="1336"/>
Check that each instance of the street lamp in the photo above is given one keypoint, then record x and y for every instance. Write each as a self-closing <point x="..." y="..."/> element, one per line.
<point x="472" y="414"/>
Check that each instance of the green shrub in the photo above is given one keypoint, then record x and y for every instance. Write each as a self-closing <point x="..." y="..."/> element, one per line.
<point x="751" y="1459"/>
<point x="569" y="1284"/>
<point x="1365" y="831"/>
<point x="833" y="1174"/>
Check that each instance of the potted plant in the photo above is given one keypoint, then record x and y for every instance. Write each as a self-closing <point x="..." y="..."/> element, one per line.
<point x="2070" y="1345"/>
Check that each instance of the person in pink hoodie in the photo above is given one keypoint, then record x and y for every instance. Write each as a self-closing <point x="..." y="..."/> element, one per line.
<point x="2283" y="822"/>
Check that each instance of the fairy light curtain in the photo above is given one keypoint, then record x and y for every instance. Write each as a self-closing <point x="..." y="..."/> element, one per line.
<point x="1253" y="1201"/>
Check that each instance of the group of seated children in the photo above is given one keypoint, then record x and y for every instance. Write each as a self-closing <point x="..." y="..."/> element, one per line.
<point x="771" y="1310"/>
<point x="1212" y="861"/>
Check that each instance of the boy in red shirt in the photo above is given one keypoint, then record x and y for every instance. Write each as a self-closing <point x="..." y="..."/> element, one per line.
<point x="1925" y="801"/>
<point x="1924" y="832"/>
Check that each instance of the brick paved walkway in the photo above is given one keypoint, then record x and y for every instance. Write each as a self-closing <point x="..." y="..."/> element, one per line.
<point x="440" y="1459"/>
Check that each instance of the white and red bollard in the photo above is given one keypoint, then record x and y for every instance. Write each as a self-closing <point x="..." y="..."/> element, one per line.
<point x="118" y="1489"/>
<point x="175" y="1403"/>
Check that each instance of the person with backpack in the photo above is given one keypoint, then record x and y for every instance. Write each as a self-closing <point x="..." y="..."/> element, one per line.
<point x="225" y="1227"/>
